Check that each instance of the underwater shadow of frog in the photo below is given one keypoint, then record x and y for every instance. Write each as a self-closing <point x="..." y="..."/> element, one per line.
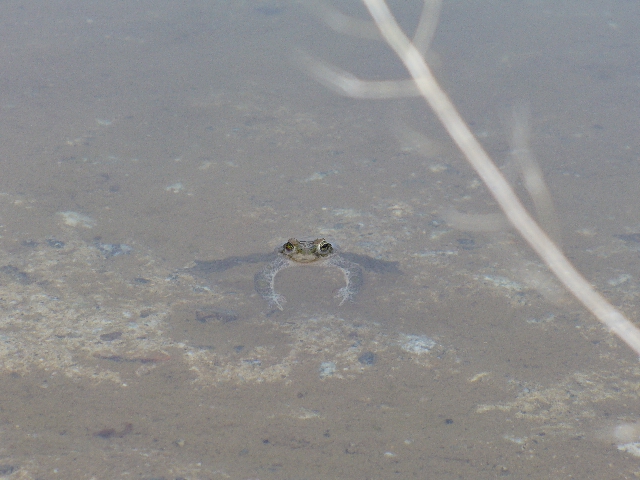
<point x="301" y="252"/>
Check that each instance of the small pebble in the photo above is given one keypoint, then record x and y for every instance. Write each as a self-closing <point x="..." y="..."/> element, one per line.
<point x="112" y="249"/>
<point x="327" y="369"/>
<point x="222" y="314"/>
<point x="367" y="358"/>
<point x="53" y="243"/>
<point x="16" y="275"/>
<point x="8" y="469"/>
<point x="75" y="219"/>
<point x="108" y="337"/>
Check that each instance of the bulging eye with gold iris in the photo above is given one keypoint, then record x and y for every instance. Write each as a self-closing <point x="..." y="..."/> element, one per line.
<point x="289" y="247"/>
<point x="325" y="247"/>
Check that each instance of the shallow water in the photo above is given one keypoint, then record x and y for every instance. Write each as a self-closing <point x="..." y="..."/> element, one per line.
<point x="137" y="139"/>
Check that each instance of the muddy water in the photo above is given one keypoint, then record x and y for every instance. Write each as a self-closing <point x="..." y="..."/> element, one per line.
<point x="138" y="138"/>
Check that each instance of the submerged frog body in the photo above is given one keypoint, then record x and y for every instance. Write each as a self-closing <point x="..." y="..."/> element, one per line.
<point x="299" y="252"/>
<point x="296" y="252"/>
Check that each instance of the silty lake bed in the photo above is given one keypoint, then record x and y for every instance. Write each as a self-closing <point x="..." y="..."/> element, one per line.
<point x="139" y="140"/>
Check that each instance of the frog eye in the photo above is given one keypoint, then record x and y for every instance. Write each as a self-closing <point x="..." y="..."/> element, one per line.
<point x="325" y="247"/>
<point x="289" y="247"/>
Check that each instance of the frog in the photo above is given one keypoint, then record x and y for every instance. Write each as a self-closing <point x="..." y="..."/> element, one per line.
<point x="305" y="252"/>
<point x="300" y="253"/>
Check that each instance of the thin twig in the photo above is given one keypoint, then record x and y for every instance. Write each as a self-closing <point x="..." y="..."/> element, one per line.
<point x="345" y="83"/>
<point x="495" y="182"/>
<point x="531" y="174"/>
<point x="427" y="25"/>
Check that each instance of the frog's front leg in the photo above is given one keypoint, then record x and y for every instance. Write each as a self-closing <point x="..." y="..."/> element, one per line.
<point x="352" y="274"/>
<point x="264" y="282"/>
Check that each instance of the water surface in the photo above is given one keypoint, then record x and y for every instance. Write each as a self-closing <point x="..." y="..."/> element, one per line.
<point x="139" y="137"/>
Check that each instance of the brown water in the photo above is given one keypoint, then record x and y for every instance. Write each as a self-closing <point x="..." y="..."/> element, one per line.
<point x="137" y="137"/>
